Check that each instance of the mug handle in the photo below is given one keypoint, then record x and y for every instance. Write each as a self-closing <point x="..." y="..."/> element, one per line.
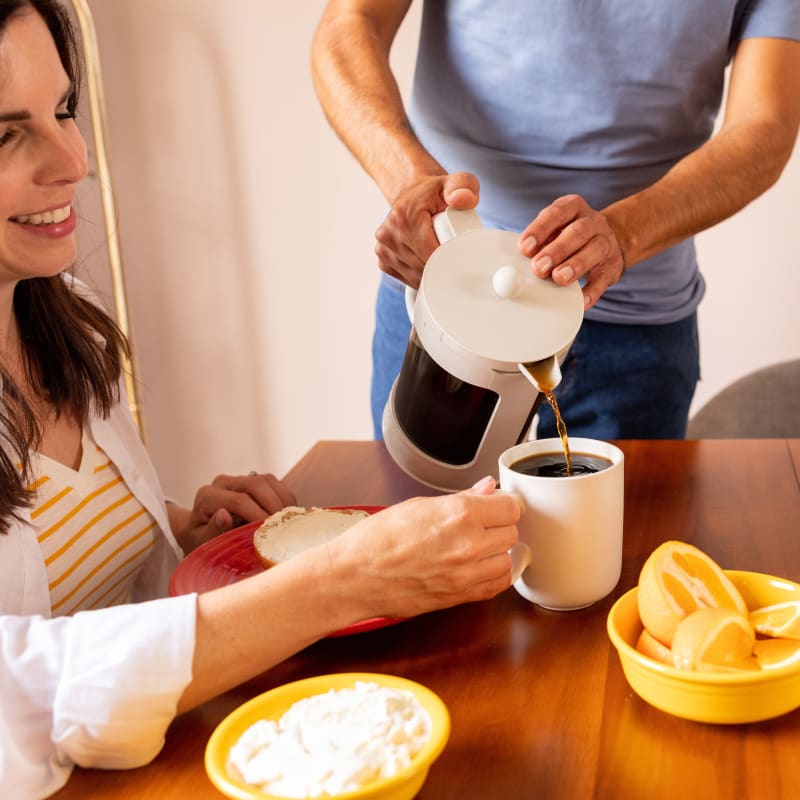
<point x="521" y="558"/>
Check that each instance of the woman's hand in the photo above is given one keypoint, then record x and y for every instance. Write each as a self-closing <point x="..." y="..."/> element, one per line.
<point x="227" y="502"/>
<point x="417" y="556"/>
<point x="426" y="553"/>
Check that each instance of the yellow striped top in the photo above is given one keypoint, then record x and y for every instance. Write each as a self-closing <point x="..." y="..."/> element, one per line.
<point x="93" y="532"/>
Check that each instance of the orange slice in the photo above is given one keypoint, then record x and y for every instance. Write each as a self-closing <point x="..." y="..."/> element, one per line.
<point x="649" y="646"/>
<point x="774" y="653"/>
<point x="677" y="579"/>
<point x="781" y="619"/>
<point x="714" y="639"/>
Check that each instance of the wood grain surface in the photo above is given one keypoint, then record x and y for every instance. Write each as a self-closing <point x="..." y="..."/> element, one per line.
<point x="540" y="707"/>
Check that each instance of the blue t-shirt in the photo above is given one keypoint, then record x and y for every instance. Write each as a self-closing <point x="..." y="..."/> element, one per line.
<point x="542" y="98"/>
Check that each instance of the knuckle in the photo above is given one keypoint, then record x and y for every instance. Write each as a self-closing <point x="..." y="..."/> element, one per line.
<point x="395" y="218"/>
<point x="581" y="229"/>
<point x="604" y="246"/>
<point x="202" y="492"/>
<point x="464" y="553"/>
<point x="385" y="257"/>
<point x="566" y="206"/>
<point x="551" y="215"/>
<point x="383" y="237"/>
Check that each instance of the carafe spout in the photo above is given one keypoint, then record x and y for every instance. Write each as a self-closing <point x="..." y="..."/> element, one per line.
<point x="545" y="375"/>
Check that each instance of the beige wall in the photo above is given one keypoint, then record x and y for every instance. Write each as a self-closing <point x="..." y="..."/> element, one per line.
<point x="247" y="230"/>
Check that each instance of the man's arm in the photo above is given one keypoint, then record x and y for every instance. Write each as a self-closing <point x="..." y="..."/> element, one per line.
<point x="359" y="93"/>
<point x="739" y="163"/>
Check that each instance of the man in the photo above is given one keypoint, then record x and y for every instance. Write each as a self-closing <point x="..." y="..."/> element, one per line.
<point x="587" y="127"/>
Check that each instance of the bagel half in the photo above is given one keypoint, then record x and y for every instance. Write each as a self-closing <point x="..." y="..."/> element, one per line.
<point x="294" y="529"/>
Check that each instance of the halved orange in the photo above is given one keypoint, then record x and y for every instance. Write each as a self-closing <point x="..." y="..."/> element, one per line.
<point x="774" y="653"/>
<point x="781" y="619"/>
<point x="677" y="579"/>
<point x="650" y="646"/>
<point x="714" y="639"/>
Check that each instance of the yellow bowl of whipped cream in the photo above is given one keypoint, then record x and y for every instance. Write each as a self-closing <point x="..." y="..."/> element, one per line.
<point x="349" y="736"/>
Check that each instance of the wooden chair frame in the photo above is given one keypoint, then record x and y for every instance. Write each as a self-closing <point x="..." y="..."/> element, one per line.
<point x="93" y="83"/>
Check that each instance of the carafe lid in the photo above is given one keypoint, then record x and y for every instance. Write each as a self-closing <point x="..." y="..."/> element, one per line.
<point x="482" y="293"/>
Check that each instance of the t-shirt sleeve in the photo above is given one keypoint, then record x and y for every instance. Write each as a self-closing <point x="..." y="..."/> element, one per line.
<point x="98" y="689"/>
<point x="776" y="19"/>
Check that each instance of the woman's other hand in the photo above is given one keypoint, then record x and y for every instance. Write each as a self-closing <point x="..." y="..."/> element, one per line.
<point x="227" y="502"/>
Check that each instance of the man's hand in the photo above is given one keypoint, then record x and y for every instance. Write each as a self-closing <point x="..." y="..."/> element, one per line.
<point x="569" y="240"/>
<point x="406" y="239"/>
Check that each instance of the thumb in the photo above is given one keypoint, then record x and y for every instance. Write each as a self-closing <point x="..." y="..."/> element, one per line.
<point x="461" y="191"/>
<point x="485" y="485"/>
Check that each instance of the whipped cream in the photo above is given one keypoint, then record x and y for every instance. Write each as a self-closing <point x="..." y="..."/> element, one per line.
<point x="332" y="743"/>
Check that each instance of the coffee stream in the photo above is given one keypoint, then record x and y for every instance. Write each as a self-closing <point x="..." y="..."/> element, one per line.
<point x="561" y="428"/>
<point x="541" y="372"/>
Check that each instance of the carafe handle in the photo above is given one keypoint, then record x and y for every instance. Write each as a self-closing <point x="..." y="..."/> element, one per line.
<point x="446" y="225"/>
<point x="451" y="222"/>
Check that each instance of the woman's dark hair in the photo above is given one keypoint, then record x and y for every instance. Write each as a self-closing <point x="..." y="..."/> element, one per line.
<point x="71" y="350"/>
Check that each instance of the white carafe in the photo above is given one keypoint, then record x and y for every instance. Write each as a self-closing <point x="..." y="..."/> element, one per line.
<point x="482" y="323"/>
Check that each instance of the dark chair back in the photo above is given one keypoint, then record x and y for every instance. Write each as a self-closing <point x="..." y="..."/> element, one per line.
<point x="762" y="405"/>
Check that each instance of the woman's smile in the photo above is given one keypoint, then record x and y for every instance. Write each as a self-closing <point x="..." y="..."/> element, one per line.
<point x="45" y="217"/>
<point x="55" y="223"/>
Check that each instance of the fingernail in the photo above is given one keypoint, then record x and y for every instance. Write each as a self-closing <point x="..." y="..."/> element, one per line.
<point x="484" y="483"/>
<point x="219" y="523"/>
<point x="543" y="266"/>
<point x="587" y="301"/>
<point x="565" y="273"/>
<point x="528" y="244"/>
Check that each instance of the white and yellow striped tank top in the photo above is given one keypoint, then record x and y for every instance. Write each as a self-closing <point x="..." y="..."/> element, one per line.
<point x="93" y="532"/>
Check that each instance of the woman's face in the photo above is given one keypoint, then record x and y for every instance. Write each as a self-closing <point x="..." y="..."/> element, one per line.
<point x="42" y="154"/>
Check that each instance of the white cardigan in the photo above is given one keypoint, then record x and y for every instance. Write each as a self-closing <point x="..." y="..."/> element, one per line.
<point x="98" y="689"/>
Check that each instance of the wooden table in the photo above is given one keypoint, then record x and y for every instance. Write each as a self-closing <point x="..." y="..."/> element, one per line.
<point x="539" y="705"/>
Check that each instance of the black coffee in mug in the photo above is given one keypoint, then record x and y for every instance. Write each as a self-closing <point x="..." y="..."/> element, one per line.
<point x="554" y="465"/>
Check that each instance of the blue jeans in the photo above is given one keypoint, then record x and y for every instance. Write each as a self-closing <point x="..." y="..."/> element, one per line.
<point x="389" y="340"/>
<point x="619" y="381"/>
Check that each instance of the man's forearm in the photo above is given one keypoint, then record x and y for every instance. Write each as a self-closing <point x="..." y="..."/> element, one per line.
<point x="737" y="165"/>
<point x="362" y="101"/>
<point x="700" y="191"/>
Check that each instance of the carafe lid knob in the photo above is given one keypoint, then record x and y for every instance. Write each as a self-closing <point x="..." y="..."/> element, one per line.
<point x="506" y="282"/>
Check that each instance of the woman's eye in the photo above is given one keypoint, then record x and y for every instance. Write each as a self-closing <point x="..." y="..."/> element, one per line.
<point x="62" y="115"/>
<point x="6" y="136"/>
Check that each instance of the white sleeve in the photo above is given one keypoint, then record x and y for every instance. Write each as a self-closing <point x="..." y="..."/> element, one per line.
<point x="98" y="689"/>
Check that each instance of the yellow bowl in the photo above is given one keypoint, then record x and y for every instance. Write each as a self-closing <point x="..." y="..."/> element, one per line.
<point x="271" y="705"/>
<point x="706" y="696"/>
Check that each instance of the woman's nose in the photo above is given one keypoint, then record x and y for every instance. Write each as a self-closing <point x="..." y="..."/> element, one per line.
<point x="64" y="158"/>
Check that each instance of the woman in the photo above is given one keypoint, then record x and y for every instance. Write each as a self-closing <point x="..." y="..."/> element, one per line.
<point x="96" y="660"/>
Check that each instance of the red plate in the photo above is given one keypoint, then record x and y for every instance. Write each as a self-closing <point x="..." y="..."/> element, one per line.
<point x="230" y="557"/>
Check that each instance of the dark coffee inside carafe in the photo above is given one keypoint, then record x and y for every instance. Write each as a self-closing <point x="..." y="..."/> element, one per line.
<point x="553" y="465"/>
<point x="444" y="416"/>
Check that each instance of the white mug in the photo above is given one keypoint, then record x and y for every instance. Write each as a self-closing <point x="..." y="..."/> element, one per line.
<point x="571" y="527"/>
